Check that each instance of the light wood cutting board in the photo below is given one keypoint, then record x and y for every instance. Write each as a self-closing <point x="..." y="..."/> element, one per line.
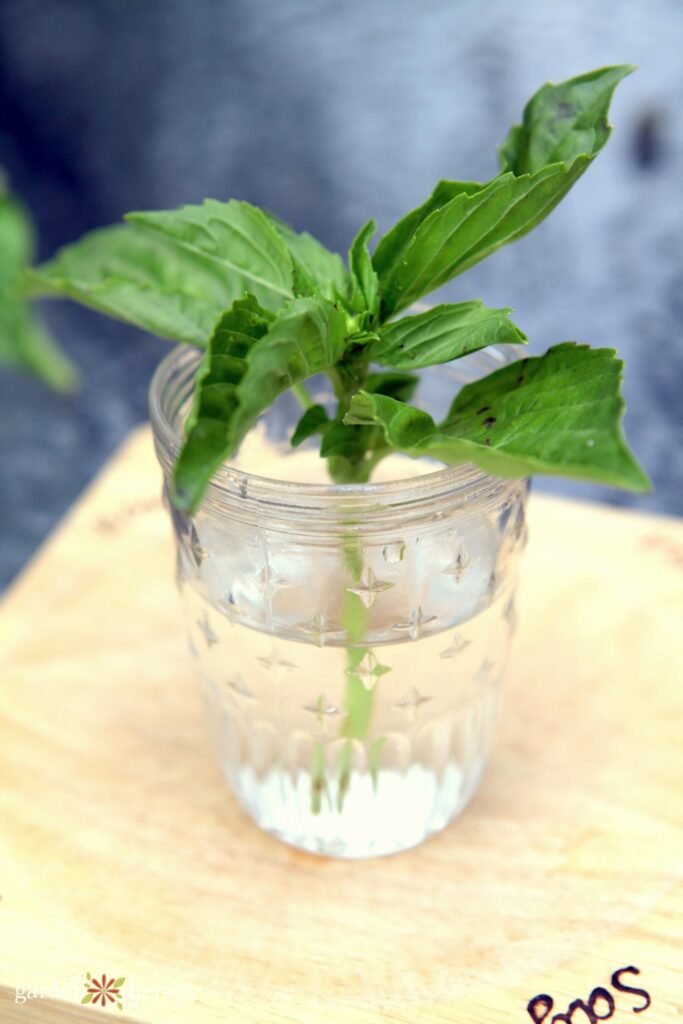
<point x="123" y="853"/>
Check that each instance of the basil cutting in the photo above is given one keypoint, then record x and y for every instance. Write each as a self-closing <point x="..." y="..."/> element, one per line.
<point x="272" y="307"/>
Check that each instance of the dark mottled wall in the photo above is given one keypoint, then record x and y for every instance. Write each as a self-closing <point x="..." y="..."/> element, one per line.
<point x="331" y="112"/>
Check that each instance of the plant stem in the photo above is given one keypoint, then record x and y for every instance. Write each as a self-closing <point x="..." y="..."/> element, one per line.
<point x="337" y="383"/>
<point x="358" y="700"/>
<point x="303" y="396"/>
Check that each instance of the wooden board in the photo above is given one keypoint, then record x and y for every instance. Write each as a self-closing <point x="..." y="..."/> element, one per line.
<point x="124" y="854"/>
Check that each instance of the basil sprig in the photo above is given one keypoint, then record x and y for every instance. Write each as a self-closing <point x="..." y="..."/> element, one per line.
<point x="273" y="307"/>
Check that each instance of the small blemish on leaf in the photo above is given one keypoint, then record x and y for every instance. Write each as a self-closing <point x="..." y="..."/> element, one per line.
<point x="487" y="440"/>
<point x="484" y="408"/>
<point x="489" y="421"/>
<point x="590" y="442"/>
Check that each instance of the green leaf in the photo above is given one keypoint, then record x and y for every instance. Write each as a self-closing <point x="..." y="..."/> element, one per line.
<point x="356" y="338"/>
<point x="312" y="422"/>
<point x="24" y="343"/>
<point x="545" y="156"/>
<point x="443" y="333"/>
<point x="143" y="279"/>
<point x="395" y="384"/>
<point x="119" y="982"/>
<point x="562" y="122"/>
<point x="348" y="443"/>
<point x="471" y="227"/>
<point x="353" y="451"/>
<point x="317" y="271"/>
<point x="306" y="338"/>
<point x="210" y="424"/>
<point x="26" y="346"/>
<point x="392" y="246"/>
<point x="18" y="241"/>
<point x="250" y="360"/>
<point x="237" y="237"/>
<point x="557" y="414"/>
<point x="87" y="997"/>
<point x="365" y="285"/>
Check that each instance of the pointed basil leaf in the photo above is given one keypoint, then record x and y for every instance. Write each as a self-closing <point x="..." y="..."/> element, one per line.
<point x="251" y="359"/>
<point x="24" y="343"/>
<point x="317" y="271"/>
<point x="209" y="429"/>
<point x="471" y="227"/>
<point x="562" y="122"/>
<point x="365" y="285"/>
<point x="443" y="333"/>
<point x="312" y="422"/>
<point x="141" y="278"/>
<point x="474" y="224"/>
<point x="557" y="414"/>
<point x="237" y="237"/>
<point x="392" y="246"/>
<point x="306" y="338"/>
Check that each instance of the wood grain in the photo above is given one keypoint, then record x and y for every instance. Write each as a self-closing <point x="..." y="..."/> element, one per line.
<point x="123" y="852"/>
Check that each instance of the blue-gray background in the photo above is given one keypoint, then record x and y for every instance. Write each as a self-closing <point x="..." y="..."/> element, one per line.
<point x="330" y="112"/>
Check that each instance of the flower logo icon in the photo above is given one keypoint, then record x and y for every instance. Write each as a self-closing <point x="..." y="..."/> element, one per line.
<point x="105" y="991"/>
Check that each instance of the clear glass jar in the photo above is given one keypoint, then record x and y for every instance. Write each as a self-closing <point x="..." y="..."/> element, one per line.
<point x="350" y="640"/>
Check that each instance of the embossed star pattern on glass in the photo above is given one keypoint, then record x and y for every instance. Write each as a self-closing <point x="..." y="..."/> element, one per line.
<point x="350" y="641"/>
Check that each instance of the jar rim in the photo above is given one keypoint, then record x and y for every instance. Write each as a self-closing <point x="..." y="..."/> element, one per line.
<point x="463" y="483"/>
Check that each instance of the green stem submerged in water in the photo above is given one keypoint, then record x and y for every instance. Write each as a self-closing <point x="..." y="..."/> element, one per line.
<point x="359" y="698"/>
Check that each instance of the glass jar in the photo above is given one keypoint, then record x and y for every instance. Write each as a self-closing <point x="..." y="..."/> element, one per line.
<point x="350" y="640"/>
